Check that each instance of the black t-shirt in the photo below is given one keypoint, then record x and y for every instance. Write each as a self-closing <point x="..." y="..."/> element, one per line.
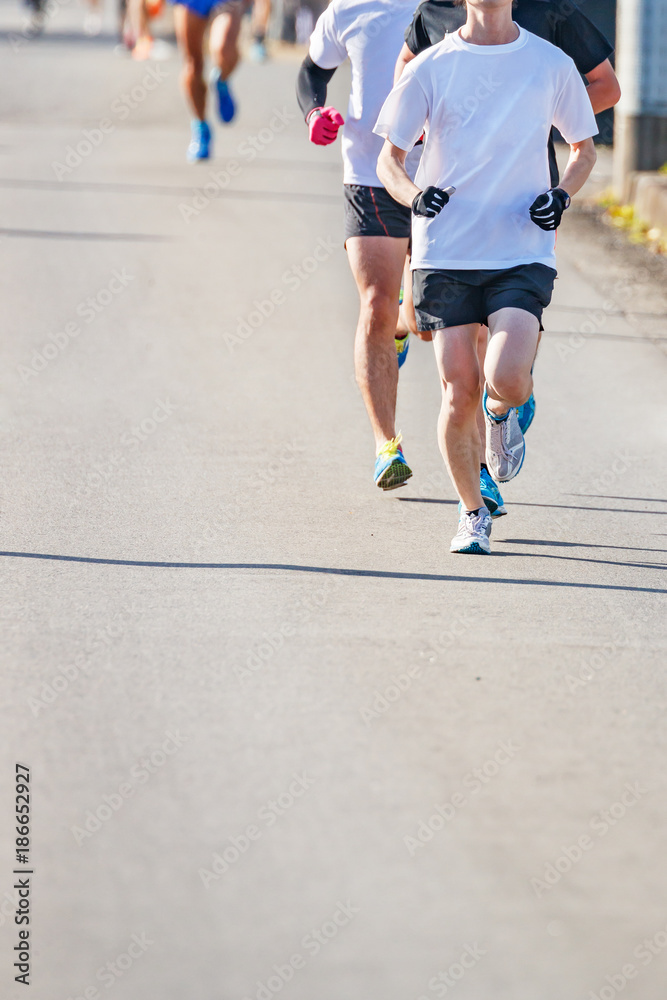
<point x="561" y="24"/>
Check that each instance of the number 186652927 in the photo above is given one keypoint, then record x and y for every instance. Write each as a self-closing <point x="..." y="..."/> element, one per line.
<point x="22" y="813"/>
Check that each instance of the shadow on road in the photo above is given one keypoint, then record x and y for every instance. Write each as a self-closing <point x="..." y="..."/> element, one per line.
<point x="555" y="506"/>
<point x="339" y="571"/>
<point x="577" y="545"/>
<point x="48" y="234"/>
<point x="104" y="40"/>
<point x="601" y="496"/>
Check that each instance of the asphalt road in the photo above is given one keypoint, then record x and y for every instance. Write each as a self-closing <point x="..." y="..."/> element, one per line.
<point x="280" y="740"/>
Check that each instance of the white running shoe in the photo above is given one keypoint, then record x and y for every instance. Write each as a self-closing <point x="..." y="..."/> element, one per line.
<point x="92" y="23"/>
<point x="505" y="446"/>
<point x="473" y="534"/>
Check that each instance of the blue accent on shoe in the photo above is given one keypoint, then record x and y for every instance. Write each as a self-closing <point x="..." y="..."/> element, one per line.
<point x="491" y="494"/>
<point x="391" y="469"/>
<point x="402" y="348"/>
<point x="526" y="414"/>
<point x="226" y="106"/>
<point x="200" y="141"/>
<point x="498" y="420"/>
<point x="474" y="549"/>
<point x="258" y="51"/>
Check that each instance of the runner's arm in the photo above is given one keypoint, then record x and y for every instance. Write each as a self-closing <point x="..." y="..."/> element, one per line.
<point x="392" y="174"/>
<point x="581" y="162"/>
<point x="405" y="56"/>
<point x="604" y="90"/>
<point x="585" y="44"/>
<point x="311" y="86"/>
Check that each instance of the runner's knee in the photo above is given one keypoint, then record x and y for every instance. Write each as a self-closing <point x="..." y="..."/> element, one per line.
<point x="227" y="52"/>
<point x="381" y="309"/>
<point x="193" y="66"/>
<point x="512" y="387"/>
<point x="462" y="395"/>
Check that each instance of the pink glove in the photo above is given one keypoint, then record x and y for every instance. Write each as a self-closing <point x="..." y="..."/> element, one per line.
<point x="323" y="125"/>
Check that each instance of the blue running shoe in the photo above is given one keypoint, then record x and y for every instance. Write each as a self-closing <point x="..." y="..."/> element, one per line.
<point x="258" y="51"/>
<point x="402" y="346"/>
<point x="391" y="469"/>
<point x="200" y="141"/>
<point x="491" y="494"/>
<point x="526" y="414"/>
<point x="226" y="106"/>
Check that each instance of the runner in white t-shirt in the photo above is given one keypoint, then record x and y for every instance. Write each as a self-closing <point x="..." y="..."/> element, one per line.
<point x="487" y="97"/>
<point x="377" y="228"/>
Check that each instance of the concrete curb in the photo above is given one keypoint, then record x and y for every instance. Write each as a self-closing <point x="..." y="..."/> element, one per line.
<point x="647" y="192"/>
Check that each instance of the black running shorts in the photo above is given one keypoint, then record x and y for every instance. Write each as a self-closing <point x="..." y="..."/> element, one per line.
<point x="371" y="211"/>
<point x="455" y="298"/>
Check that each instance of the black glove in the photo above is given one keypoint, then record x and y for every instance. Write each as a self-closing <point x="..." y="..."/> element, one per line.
<point x="547" y="209"/>
<point x="431" y="201"/>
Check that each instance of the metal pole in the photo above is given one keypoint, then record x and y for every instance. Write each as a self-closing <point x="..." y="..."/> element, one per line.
<point x="640" y="140"/>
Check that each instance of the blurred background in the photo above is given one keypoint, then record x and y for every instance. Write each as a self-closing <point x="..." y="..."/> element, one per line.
<point x="205" y="604"/>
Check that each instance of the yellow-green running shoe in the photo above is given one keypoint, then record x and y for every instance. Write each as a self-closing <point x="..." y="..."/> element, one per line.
<point x="391" y="469"/>
<point x="402" y="346"/>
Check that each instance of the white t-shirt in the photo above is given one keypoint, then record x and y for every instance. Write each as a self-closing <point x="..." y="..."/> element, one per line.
<point x="487" y="110"/>
<point x="370" y="32"/>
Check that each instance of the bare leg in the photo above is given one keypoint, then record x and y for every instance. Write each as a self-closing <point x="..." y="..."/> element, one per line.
<point x="138" y="18"/>
<point x="482" y="343"/>
<point x="92" y="24"/>
<point x="261" y="12"/>
<point x="224" y="40"/>
<point x="377" y="263"/>
<point x="190" y="30"/>
<point x="515" y="335"/>
<point x="407" y="321"/>
<point x="458" y="436"/>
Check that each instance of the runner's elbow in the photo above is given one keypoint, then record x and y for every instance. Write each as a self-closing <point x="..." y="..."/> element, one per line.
<point x="384" y="166"/>
<point x="405" y="56"/>
<point x="591" y="154"/>
<point x="608" y="92"/>
<point x="613" y="92"/>
<point x="586" y="153"/>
